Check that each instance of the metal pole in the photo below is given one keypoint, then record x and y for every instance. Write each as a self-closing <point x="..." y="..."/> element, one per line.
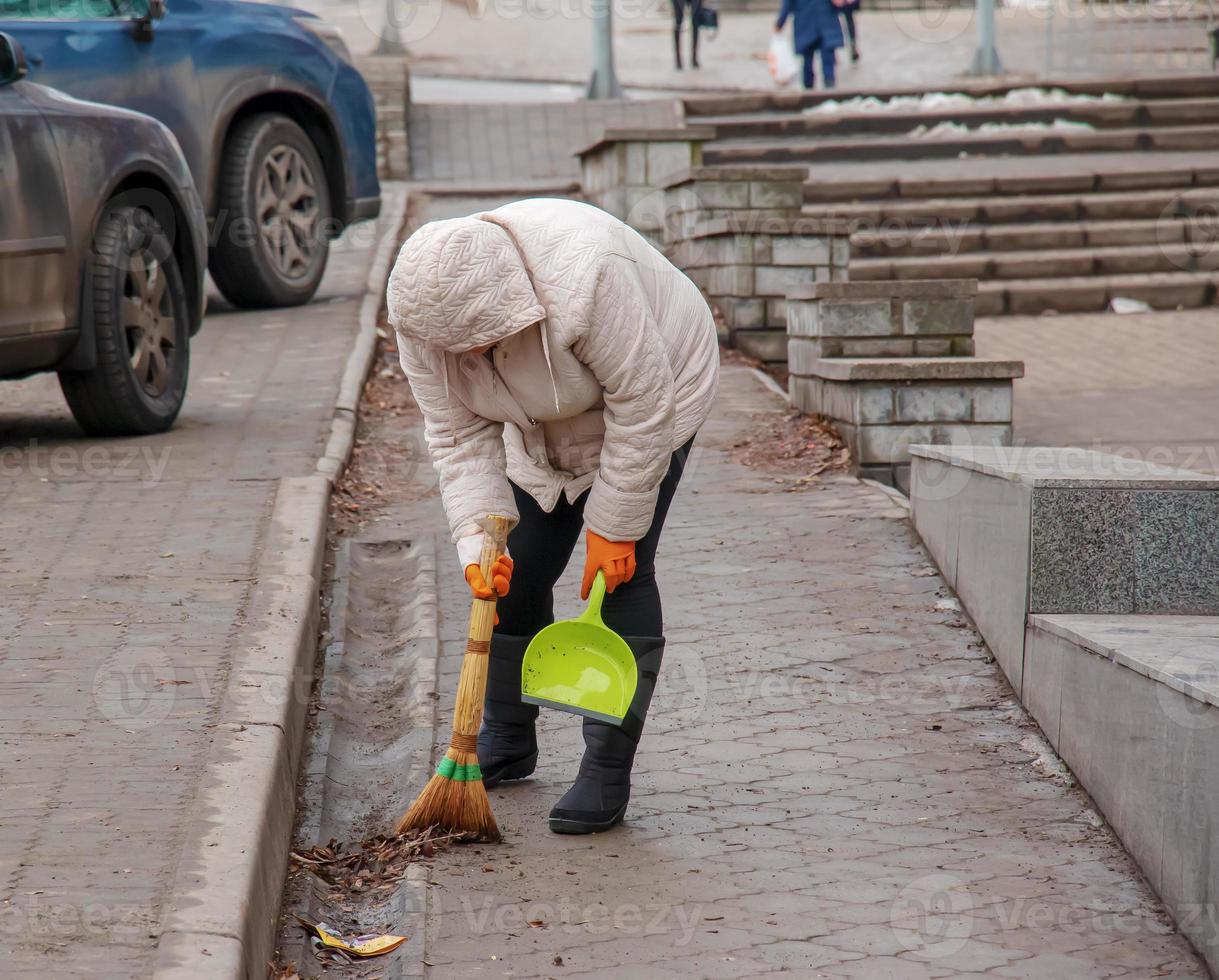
<point x="391" y="37"/>
<point x="986" y="58"/>
<point x="604" y="83"/>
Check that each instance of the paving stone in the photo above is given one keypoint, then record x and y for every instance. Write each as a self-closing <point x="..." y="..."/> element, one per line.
<point x="128" y="570"/>
<point x="796" y="786"/>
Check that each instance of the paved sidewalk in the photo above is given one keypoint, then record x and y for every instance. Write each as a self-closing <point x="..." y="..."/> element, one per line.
<point x="1140" y="385"/>
<point x="129" y="570"/>
<point x="835" y="780"/>
<point x="551" y="40"/>
<point x="503" y="143"/>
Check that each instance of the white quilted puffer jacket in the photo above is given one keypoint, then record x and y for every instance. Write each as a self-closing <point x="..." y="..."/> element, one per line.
<point x="605" y="361"/>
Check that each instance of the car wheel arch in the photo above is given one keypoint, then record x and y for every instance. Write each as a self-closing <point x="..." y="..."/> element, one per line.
<point x="313" y="118"/>
<point x="127" y="184"/>
<point x="132" y="188"/>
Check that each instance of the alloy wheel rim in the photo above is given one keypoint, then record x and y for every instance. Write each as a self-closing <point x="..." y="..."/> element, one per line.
<point x="289" y="212"/>
<point x="150" y="325"/>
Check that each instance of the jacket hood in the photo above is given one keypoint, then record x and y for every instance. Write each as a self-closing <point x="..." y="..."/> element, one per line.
<point x="459" y="284"/>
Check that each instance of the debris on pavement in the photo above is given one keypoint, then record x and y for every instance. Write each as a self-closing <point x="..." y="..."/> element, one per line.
<point x="362" y="946"/>
<point x="374" y="864"/>
<point x="803" y="446"/>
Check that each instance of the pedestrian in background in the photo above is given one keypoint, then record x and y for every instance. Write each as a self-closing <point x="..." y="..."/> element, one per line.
<point x="848" y="9"/>
<point x="696" y="12"/>
<point x="816" y="30"/>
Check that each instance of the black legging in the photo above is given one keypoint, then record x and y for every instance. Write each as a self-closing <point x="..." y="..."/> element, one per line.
<point x="849" y="17"/>
<point x="678" y="11"/>
<point x="541" y="545"/>
<point x="679" y="8"/>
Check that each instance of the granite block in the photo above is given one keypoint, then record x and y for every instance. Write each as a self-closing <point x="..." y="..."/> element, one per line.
<point x="933" y="347"/>
<point x="744" y="314"/>
<point x="776" y="194"/>
<point x="803" y="320"/>
<point x="801" y="250"/>
<point x="990" y="574"/>
<point x="636" y="167"/>
<point x="664" y="158"/>
<point x="1053" y="466"/>
<point x="731" y="280"/>
<point x="770" y="280"/>
<point x="938" y="316"/>
<point x="905" y="289"/>
<point x="933" y="403"/>
<point x="1114" y="735"/>
<point x="992" y="402"/>
<point x="1041" y="685"/>
<point x="869" y="346"/>
<point x="1082" y="554"/>
<point x="1177" y="553"/>
<point x="862" y="318"/>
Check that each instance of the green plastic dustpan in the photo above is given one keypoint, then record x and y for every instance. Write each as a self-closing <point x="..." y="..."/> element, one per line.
<point x="581" y="665"/>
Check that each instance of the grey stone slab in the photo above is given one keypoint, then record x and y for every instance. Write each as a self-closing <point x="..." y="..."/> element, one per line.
<point x="1041" y="688"/>
<point x="917" y="369"/>
<point x="891" y="443"/>
<point x="1068" y="467"/>
<point x="642" y="135"/>
<point x="992" y="518"/>
<point x="1114" y="734"/>
<point x="933" y="490"/>
<point x="911" y="289"/>
<point x="953" y="315"/>
<point x="1177" y="552"/>
<point x="1188" y="879"/>
<point x="1179" y="652"/>
<point x="933" y="403"/>
<point x="1082" y="551"/>
<point x="853" y="318"/>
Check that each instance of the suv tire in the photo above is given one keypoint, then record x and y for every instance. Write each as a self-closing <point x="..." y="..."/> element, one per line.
<point x="273" y="219"/>
<point x="141" y="326"/>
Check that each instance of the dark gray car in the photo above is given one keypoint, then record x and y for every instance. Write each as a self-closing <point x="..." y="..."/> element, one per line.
<point x="102" y="253"/>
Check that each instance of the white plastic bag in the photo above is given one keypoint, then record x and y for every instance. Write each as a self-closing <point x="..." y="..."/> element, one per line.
<point x="782" y="60"/>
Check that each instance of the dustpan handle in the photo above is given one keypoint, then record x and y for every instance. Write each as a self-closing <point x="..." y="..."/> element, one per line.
<point x="596" y="596"/>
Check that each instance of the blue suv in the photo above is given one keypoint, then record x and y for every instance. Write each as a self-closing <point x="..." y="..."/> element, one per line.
<point x="277" y="126"/>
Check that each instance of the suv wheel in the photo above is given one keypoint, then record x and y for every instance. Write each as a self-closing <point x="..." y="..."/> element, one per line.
<point x="273" y="215"/>
<point x="141" y="325"/>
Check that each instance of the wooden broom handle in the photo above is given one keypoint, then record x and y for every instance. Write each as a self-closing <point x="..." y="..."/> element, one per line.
<point x="472" y="682"/>
<point x="482" y="611"/>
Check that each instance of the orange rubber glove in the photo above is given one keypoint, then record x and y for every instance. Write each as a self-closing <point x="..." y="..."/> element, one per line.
<point x="501" y="578"/>
<point x="615" y="558"/>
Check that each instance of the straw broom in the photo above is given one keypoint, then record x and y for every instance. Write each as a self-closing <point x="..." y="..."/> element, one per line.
<point x="455" y="798"/>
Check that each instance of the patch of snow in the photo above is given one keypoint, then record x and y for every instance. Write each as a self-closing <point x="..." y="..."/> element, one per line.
<point x="1124" y="304"/>
<point x="944" y="129"/>
<point x="941" y="101"/>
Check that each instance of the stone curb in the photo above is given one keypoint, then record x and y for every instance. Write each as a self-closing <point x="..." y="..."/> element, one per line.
<point x="343" y="428"/>
<point x="220" y="917"/>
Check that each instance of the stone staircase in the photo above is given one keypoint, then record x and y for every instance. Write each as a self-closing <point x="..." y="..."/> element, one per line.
<point x="1113" y="195"/>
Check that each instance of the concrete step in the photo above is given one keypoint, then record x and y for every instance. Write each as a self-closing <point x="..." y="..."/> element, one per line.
<point x="893" y="242"/>
<point x="1148" y="88"/>
<point x="1023" y="209"/>
<point x="1119" y="260"/>
<point x="1007" y="143"/>
<point x="1056" y="175"/>
<point x="1123" y="114"/>
<point x="1162" y="291"/>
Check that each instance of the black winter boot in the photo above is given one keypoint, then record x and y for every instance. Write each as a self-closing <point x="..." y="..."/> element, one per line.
<point x="677" y="48"/>
<point x="507" y="741"/>
<point x="598" y="799"/>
